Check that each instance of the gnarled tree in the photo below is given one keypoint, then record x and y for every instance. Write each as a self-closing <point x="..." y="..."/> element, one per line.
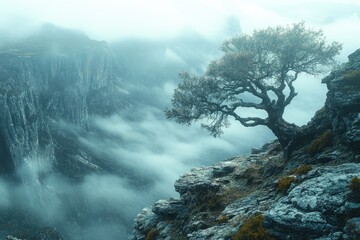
<point x="256" y="71"/>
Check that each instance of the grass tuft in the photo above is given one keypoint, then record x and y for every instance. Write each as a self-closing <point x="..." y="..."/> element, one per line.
<point x="152" y="234"/>
<point x="355" y="185"/>
<point x="252" y="229"/>
<point x="301" y="170"/>
<point x="285" y="183"/>
<point x="318" y="144"/>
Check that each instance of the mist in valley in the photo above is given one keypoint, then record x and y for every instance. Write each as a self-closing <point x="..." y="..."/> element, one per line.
<point x="136" y="154"/>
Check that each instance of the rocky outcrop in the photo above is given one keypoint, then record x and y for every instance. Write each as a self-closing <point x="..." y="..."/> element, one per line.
<point x="343" y="100"/>
<point x="316" y="207"/>
<point x="304" y="196"/>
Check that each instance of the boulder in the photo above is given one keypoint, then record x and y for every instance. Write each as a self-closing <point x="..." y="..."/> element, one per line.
<point x="312" y="208"/>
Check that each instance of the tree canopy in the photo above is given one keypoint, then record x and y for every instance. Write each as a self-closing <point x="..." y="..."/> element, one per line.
<point x="256" y="71"/>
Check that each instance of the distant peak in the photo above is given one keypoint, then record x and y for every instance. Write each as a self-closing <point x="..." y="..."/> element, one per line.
<point x="50" y="38"/>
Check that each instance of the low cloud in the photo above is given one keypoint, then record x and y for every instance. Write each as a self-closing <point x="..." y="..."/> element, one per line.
<point x="154" y="150"/>
<point x="103" y="205"/>
<point x="5" y="196"/>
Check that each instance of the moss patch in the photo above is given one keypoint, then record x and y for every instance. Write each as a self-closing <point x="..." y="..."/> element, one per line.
<point x="352" y="77"/>
<point x="301" y="170"/>
<point x="152" y="234"/>
<point x="252" y="229"/>
<point x="285" y="183"/>
<point x="222" y="219"/>
<point x="218" y="202"/>
<point x="355" y="185"/>
<point x="318" y="144"/>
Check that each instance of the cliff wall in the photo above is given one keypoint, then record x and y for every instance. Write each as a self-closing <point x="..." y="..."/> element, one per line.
<point x="50" y="77"/>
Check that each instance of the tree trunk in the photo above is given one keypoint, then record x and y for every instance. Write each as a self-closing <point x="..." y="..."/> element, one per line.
<point x="284" y="131"/>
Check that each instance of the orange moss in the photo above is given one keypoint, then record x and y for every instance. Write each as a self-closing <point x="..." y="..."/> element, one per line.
<point x="222" y="219"/>
<point x="321" y="142"/>
<point x="285" y="183"/>
<point x="252" y="229"/>
<point x="301" y="170"/>
<point x="152" y="234"/>
<point x="355" y="185"/>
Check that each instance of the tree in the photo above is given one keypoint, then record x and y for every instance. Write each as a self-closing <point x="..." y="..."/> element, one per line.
<point x="256" y="71"/>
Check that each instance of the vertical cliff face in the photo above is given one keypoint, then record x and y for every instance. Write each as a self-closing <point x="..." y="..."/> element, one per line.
<point x="24" y="129"/>
<point x="52" y="84"/>
<point x="343" y="100"/>
<point x="51" y="76"/>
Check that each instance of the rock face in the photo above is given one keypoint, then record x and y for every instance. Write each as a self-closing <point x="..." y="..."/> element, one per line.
<point x="317" y="206"/>
<point x="51" y="85"/>
<point x="343" y="100"/>
<point x="306" y="196"/>
<point x="55" y="75"/>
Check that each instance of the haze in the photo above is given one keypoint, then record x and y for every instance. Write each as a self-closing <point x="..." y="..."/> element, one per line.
<point x="153" y="41"/>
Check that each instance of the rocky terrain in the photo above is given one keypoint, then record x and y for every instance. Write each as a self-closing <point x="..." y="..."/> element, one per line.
<point x="313" y="193"/>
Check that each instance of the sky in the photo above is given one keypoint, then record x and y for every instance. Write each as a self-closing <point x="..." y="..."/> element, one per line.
<point x="115" y="19"/>
<point x="163" y="144"/>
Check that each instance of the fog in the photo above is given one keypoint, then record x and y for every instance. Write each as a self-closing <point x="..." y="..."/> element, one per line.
<point x="152" y="41"/>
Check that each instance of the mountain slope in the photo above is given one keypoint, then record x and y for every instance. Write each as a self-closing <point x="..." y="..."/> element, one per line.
<point x="314" y="194"/>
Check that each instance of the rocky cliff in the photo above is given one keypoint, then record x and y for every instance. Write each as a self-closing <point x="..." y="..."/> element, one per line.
<point x="52" y="76"/>
<point x="313" y="194"/>
<point x="52" y="83"/>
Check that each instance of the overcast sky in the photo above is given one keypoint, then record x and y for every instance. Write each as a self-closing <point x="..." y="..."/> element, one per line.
<point x="114" y="19"/>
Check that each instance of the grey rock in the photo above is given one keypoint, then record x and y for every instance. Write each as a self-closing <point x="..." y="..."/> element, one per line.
<point x="256" y="151"/>
<point x="195" y="225"/>
<point x="202" y="179"/>
<point x="222" y="171"/>
<point x="352" y="228"/>
<point x="168" y="208"/>
<point x="144" y="222"/>
<point x="343" y="98"/>
<point x="353" y="134"/>
<point x="218" y="232"/>
<point x="195" y="184"/>
<point x="311" y="208"/>
<point x="332" y="236"/>
<point x="246" y="206"/>
<point x="354" y="58"/>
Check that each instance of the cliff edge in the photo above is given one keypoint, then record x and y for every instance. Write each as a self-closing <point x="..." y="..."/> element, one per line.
<point x="314" y="194"/>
